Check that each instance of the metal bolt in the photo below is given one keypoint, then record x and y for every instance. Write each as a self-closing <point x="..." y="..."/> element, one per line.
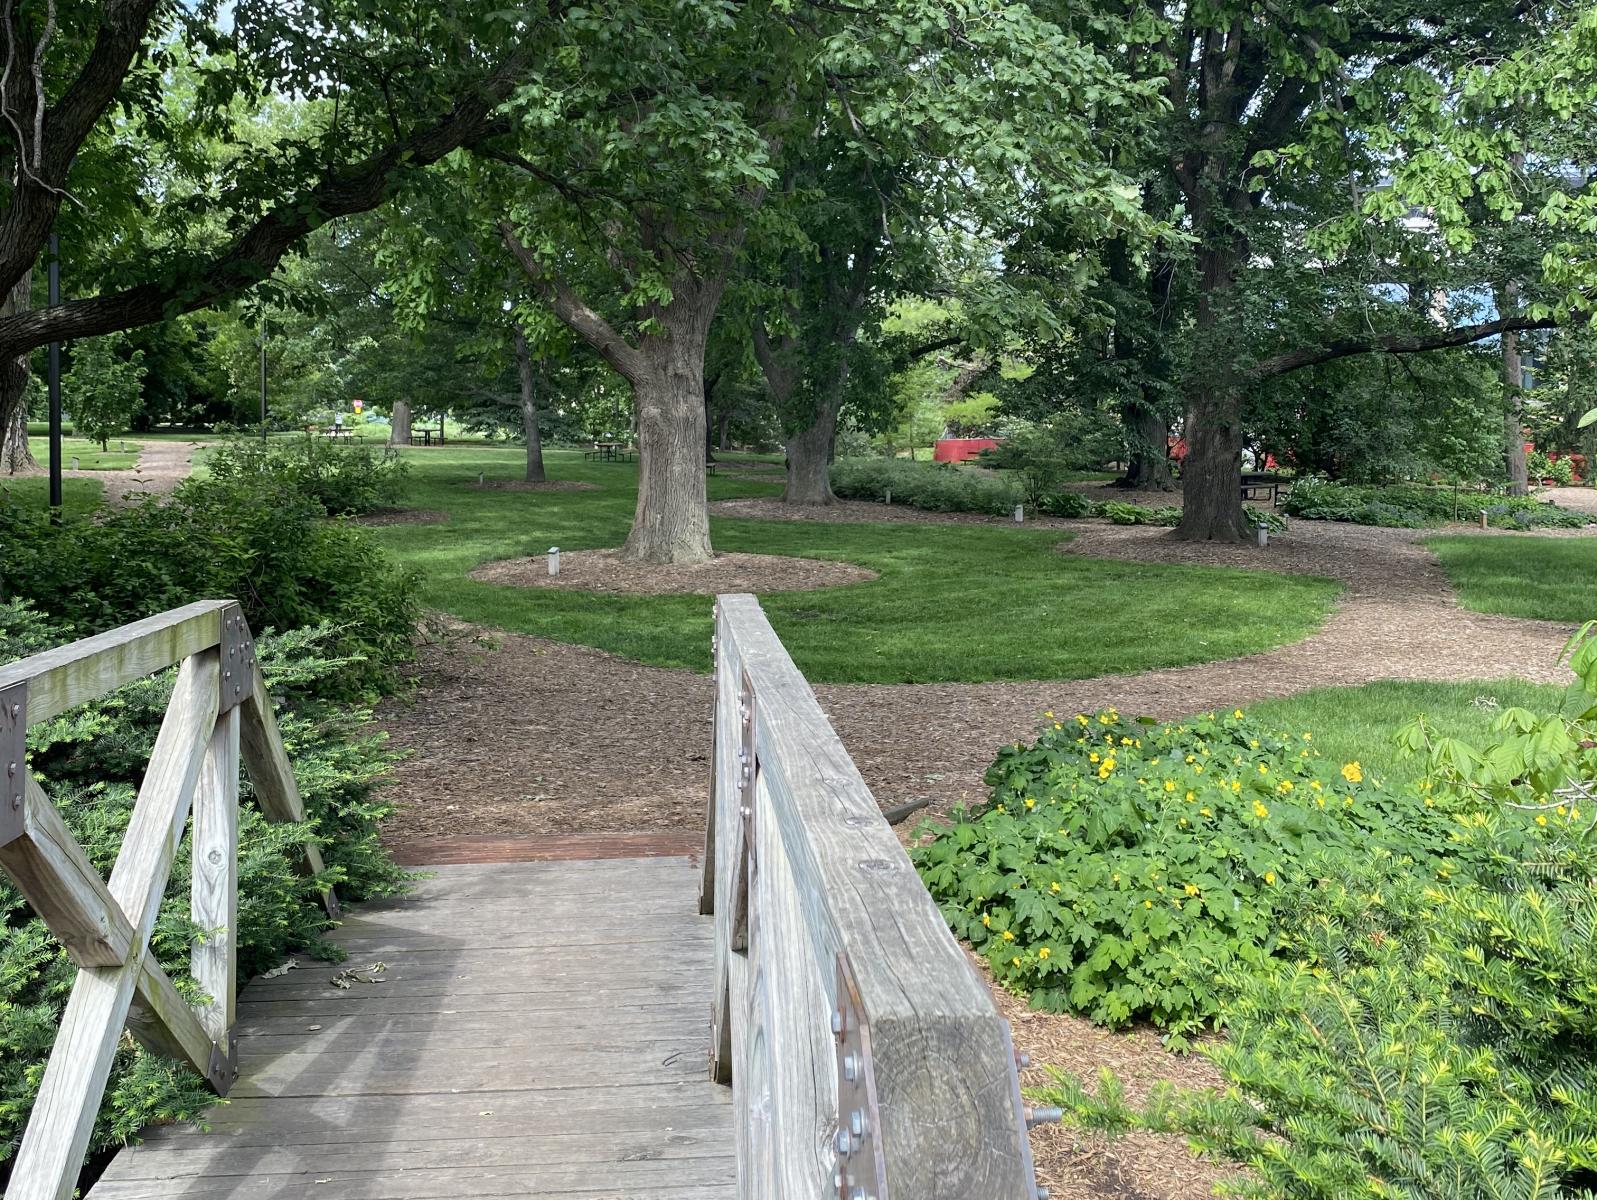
<point x="850" y="1068"/>
<point x="12" y="769"/>
<point x="227" y="674"/>
<point x="1044" y="1116"/>
<point x="842" y="1141"/>
<point x="16" y="710"/>
<point x="1043" y="1193"/>
<point x="16" y="800"/>
<point x="856" y="1123"/>
<point x="837" y="1020"/>
<point x="747" y="812"/>
<point x="1022" y="1060"/>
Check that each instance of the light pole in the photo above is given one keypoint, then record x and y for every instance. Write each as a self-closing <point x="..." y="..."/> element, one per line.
<point x="263" y="374"/>
<point x="55" y="387"/>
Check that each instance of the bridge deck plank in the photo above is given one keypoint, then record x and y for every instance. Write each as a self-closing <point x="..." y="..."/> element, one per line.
<point x="539" y="1029"/>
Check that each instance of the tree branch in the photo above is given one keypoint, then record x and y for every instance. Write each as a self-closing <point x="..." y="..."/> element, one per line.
<point x="577" y="315"/>
<point x="255" y="254"/>
<point x="1392" y="343"/>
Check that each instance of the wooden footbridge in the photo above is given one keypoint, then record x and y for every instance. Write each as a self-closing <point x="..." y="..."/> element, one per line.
<point x="786" y="1018"/>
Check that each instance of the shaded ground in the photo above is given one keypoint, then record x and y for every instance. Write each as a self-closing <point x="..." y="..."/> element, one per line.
<point x="606" y="571"/>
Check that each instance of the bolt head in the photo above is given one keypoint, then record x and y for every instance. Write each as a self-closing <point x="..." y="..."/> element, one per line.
<point x="856" y="1123"/>
<point x="842" y="1141"/>
<point x="837" y="1020"/>
<point x="850" y="1068"/>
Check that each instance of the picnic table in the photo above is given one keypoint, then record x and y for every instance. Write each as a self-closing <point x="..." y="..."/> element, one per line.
<point x="609" y="452"/>
<point x="1258" y="485"/>
<point x="427" y="436"/>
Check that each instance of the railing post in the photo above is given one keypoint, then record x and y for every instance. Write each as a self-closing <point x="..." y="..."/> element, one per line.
<point x="214" y="896"/>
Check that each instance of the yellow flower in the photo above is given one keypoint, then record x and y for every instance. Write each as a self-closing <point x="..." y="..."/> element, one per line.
<point x="1190" y="797"/>
<point x="1284" y="786"/>
<point x="1049" y="715"/>
<point x="1009" y="936"/>
<point x="1169" y="785"/>
<point x="1269" y="877"/>
<point x="1054" y="886"/>
<point x="1263" y="770"/>
<point x="1236" y="785"/>
<point x="1352" y="772"/>
<point x="1541" y="818"/>
<point x="986" y="919"/>
<point x="1115" y="878"/>
<point x="1147" y="904"/>
<point x="1198" y="770"/>
<point x="1237" y="714"/>
<point x="1109" y="763"/>
<point x="1259" y="810"/>
<point x="1191" y="759"/>
<point x="1253" y="744"/>
<point x="1093" y="757"/>
<point x="1191" y="889"/>
<point x="1206" y="812"/>
<point x="1125" y="741"/>
<point x="1015" y="962"/>
<point x="1308" y="737"/>
<point x="1031" y="802"/>
<point x="1000" y="808"/>
<point x="1315" y="784"/>
<point x="1044" y="952"/>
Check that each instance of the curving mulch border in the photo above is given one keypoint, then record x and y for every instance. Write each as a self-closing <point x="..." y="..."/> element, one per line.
<point x="605" y="571"/>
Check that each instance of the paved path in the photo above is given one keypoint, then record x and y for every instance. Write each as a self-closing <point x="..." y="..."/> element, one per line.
<point x="536" y="1029"/>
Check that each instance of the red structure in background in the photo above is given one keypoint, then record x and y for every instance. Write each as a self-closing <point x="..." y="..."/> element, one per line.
<point x="1577" y="461"/>
<point x="954" y="450"/>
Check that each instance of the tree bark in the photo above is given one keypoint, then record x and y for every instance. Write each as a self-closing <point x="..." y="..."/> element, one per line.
<point x="1148" y="468"/>
<point x="399" y="429"/>
<point x="16" y="457"/>
<point x="1514" y="395"/>
<point x="529" y="406"/>
<point x="1211" y="474"/>
<point x="723" y="433"/>
<point x="671" y="523"/>
<point x="809" y="458"/>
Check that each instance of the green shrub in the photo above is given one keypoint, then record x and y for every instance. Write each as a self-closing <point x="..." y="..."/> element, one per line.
<point x="1413" y="506"/>
<point x="1065" y="503"/>
<point x="1122" y="513"/>
<point x="257" y="539"/>
<point x="1269" y="519"/>
<point x="1539" y="467"/>
<point x="1120" y="867"/>
<point x="90" y="761"/>
<point x="346" y="478"/>
<point x="1423" y="1033"/>
<point x="935" y="487"/>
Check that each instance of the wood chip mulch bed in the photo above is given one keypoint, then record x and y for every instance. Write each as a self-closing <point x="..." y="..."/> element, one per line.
<point x="606" y="571"/>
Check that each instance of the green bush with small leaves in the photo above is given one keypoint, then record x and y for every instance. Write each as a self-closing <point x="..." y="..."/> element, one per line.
<point x="347" y="478"/>
<point x="1415" y="506"/>
<point x="935" y="487"/>
<point x="90" y="761"/>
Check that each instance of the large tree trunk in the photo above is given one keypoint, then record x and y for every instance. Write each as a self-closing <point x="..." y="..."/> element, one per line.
<point x="1148" y="468"/>
<point x="15" y="455"/>
<point x="1514" y="394"/>
<point x="672" y="521"/>
<point x="1211" y="474"/>
<point x="809" y="459"/>
<point x="400" y="427"/>
<point x="529" y="407"/>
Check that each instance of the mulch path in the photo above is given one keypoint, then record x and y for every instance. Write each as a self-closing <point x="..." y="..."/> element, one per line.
<point x="855" y="512"/>
<point x="606" y="571"/>
<point x="161" y="467"/>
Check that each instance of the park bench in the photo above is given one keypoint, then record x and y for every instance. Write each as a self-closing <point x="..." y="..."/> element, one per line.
<point x="1262" y="486"/>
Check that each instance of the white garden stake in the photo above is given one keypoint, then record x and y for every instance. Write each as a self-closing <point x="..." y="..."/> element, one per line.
<point x="1020" y="514"/>
<point x="1264" y="535"/>
<point x="479" y="479"/>
<point x="74" y="462"/>
<point x="887" y="497"/>
<point x="554" y="560"/>
<point x="1483" y="518"/>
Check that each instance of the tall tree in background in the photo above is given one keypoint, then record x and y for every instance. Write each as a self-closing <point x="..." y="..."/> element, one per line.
<point x="89" y="128"/>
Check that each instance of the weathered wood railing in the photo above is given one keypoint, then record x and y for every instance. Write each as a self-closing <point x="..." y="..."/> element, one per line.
<point x="866" y="1057"/>
<point x="219" y="707"/>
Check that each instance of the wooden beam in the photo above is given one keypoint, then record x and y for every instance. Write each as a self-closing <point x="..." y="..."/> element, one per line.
<point x="272" y="775"/>
<point x="164" y="1023"/>
<point x="832" y="880"/>
<point x="61" y="885"/>
<point x="84" y="670"/>
<point x="213" y="957"/>
<point x="62" y="1120"/>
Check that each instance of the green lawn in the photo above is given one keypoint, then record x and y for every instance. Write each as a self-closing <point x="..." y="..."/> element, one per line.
<point x="89" y="455"/>
<point x="1360" y="723"/>
<point x="1553" y="579"/>
<point x="953" y="602"/>
<point x="78" y="496"/>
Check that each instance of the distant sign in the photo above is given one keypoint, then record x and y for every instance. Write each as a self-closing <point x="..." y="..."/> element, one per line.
<point x="359" y="404"/>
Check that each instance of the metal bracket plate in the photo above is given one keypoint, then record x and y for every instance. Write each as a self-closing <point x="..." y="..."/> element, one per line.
<point x="14" y="761"/>
<point x="748" y="772"/>
<point x="238" y="659"/>
<point x="861" y="1169"/>
<point x="223" y="1070"/>
<point x="1022" y="1117"/>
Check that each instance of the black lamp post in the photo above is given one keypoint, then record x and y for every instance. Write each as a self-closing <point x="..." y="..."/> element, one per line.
<point x="55" y="386"/>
